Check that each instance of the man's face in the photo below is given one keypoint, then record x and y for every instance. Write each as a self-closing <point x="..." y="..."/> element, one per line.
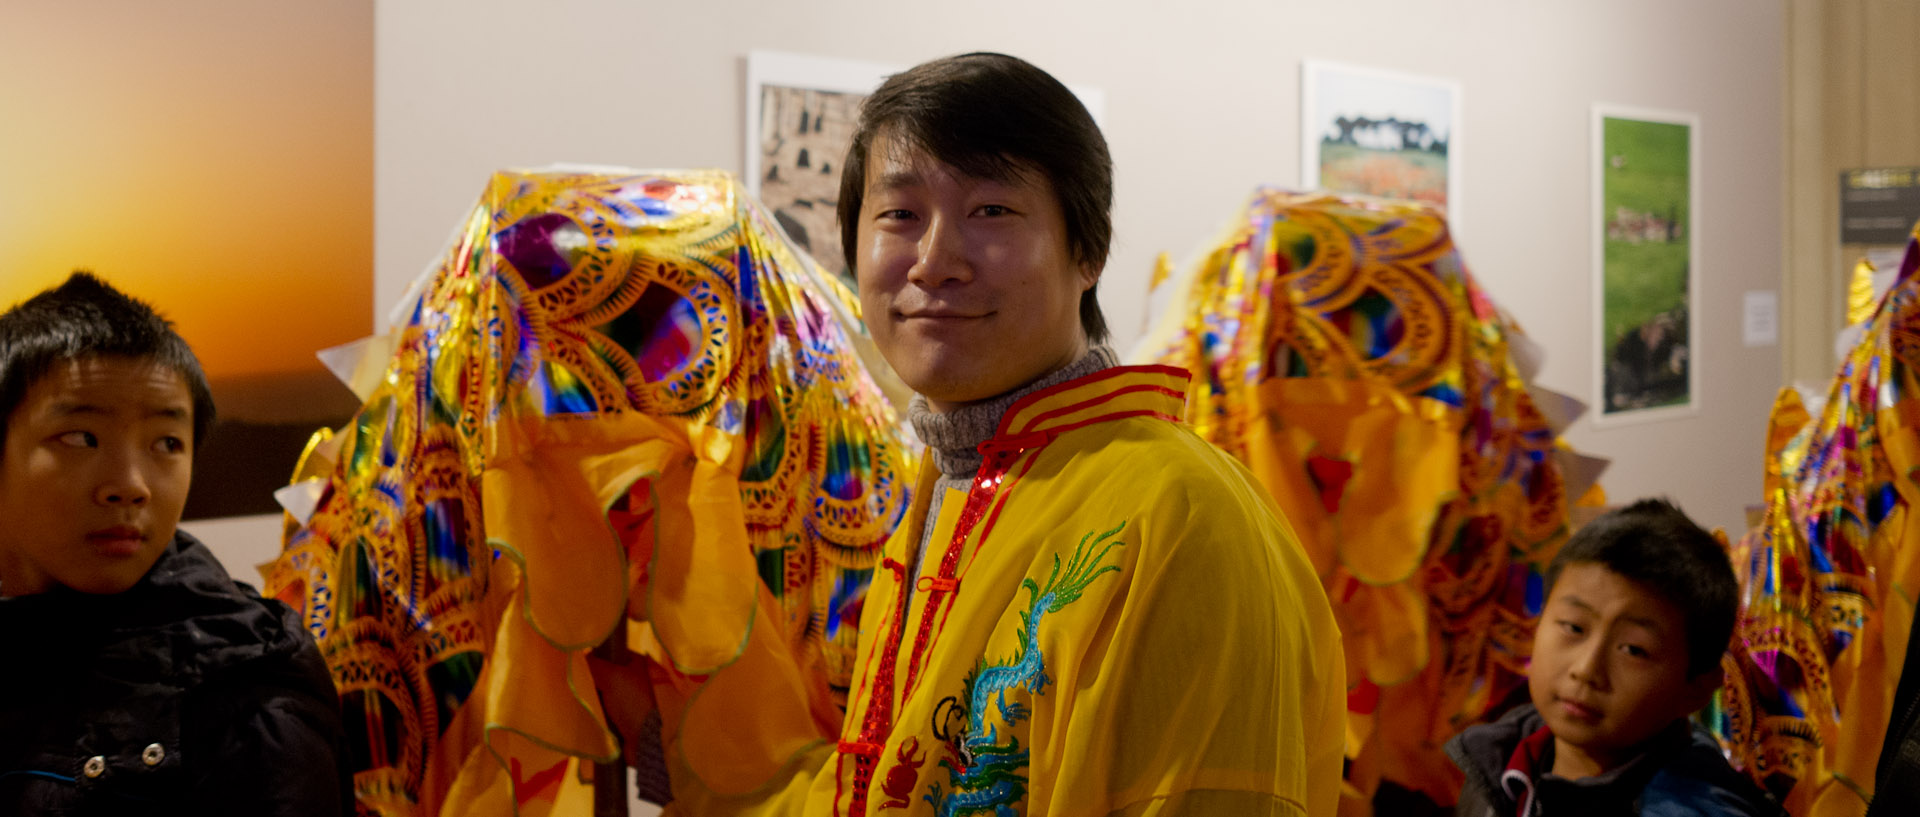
<point x="1610" y="667"/>
<point x="966" y="283"/>
<point x="94" y="476"/>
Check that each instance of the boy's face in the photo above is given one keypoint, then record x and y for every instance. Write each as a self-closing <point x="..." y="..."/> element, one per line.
<point x="1610" y="668"/>
<point x="94" y="475"/>
<point x="966" y="283"/>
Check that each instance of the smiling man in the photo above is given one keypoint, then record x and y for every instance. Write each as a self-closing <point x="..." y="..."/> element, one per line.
<point x="1089" y="610"/>
<point x="139" y="677"/>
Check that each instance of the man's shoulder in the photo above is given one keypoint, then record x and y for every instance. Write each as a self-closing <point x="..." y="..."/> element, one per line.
<point x="1699" y="780"/>
<point x="1196" y="516"/>
<point x="188" y="583"/>
<point x="190" y="598"/>
<point x="1487" y="746"/>
<point x="186" y="600"/>
<point x="1153" y="450"/>
<point x="1164" y="472"/>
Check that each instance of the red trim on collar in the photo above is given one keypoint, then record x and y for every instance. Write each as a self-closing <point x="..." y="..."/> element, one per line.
<point x="1093" y="401"/>
<point x="985" y="498"/>
<point x="1020" y="406"/>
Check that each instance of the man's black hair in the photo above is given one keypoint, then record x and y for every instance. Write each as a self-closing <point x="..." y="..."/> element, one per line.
<point x="1655" y="545"/>
<point x="996" y="117"/>
<point x="86" y="318"/>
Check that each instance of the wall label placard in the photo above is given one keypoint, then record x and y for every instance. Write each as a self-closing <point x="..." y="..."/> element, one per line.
<point x="1879" y="205"/>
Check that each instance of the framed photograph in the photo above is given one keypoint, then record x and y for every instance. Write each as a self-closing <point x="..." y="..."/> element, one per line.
<point x="1380" y="133"/>
<point x="801" y="112"/>
<point x="1645" y="186"/>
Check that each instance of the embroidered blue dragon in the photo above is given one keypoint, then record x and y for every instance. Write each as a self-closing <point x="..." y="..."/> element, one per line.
<point x="985" y="774"/>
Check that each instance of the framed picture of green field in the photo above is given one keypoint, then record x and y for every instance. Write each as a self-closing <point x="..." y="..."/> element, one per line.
<point x="1380" y="133"/>
<point x="1645" y="188"/>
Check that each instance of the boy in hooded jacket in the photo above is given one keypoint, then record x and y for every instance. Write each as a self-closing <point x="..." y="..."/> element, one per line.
<point x="1640" y="607"/>
<point x="139" y="677"/>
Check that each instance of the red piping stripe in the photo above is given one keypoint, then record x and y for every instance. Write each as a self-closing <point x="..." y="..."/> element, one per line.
<point x="1086" y="404"/>
<point x="1020" y="405"/>
<point x="987" y="497"/>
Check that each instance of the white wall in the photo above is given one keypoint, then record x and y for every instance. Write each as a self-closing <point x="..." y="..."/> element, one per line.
<point x="1202" y="104"/>
<point x="242" y="543"/>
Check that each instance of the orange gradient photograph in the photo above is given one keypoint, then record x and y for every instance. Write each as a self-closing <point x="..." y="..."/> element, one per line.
<point x="215" y="159"/>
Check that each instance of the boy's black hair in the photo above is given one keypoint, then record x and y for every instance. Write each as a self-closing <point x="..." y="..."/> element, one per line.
<point x="992" y="116"/>
<point x="86" y="318"/>
<point x="1655" y="545"/>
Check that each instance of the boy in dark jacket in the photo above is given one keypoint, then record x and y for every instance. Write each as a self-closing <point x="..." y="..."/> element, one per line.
<point x="1640" y="607"/>
<point x="136" y="677"/>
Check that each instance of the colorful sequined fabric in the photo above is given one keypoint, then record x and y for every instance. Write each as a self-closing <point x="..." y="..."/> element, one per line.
<point x="621" y="400"/>
<point x="1350" y="360"/>
<point x="1830" y="576"/>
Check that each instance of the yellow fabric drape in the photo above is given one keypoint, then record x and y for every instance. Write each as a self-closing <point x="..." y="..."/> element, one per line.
<point x="1828" y="578"/>
<point x="620" y="400"/>
<point x="1350" y="360"/>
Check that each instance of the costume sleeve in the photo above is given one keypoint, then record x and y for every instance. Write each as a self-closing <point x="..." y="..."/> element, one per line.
<point x="1223" y="681"/>
<point x="257" y="747"/>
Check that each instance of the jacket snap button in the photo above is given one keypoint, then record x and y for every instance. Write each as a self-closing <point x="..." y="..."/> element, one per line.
<point x="95" y="766"/>
<point x="153" y="755"/>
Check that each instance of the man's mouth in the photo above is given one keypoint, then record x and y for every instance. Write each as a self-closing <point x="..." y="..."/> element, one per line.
<point x="119" y="540"/>
<point x="941" y="315"/>
<point x="1577" y="710"/>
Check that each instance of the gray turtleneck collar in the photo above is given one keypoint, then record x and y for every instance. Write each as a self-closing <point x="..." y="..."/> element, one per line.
<point x="953" y="439"/>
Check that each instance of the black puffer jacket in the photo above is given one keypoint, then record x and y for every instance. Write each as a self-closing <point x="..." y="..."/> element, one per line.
<point x="186" y="694"/>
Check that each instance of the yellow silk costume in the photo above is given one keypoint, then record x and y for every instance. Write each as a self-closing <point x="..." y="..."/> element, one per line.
<point x="621" y="398"/>
<point x="1347" y="356"/>
<point x="1111" y="620"/>
<point x="1830" y="577"/>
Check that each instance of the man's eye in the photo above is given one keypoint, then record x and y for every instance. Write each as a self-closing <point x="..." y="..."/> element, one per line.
<point x="171" y="445"/>
<point x="1572" y="628"/>
<point x="1635" y="651"/>
<point x="896" y="214"/>
<point x="995" y="210"/>
<point x="80" y="439"/>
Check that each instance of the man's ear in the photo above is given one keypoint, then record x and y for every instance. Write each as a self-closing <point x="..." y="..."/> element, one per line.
<point x="1089" y="275"/>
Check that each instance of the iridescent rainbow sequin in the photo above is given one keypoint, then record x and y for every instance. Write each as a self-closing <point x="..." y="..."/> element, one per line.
<point x="1343" y="352"/>
<point x="1830" y="576"/>
<point x="605" y="374"/>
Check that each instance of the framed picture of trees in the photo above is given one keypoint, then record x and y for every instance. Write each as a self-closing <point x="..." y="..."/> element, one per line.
<point x="1380" y="133"/>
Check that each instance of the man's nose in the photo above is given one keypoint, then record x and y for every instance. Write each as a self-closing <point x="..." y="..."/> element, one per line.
<point x="124" y="484"/>
<point x="942" y="254"/>
<point x="1589" y="664"/>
